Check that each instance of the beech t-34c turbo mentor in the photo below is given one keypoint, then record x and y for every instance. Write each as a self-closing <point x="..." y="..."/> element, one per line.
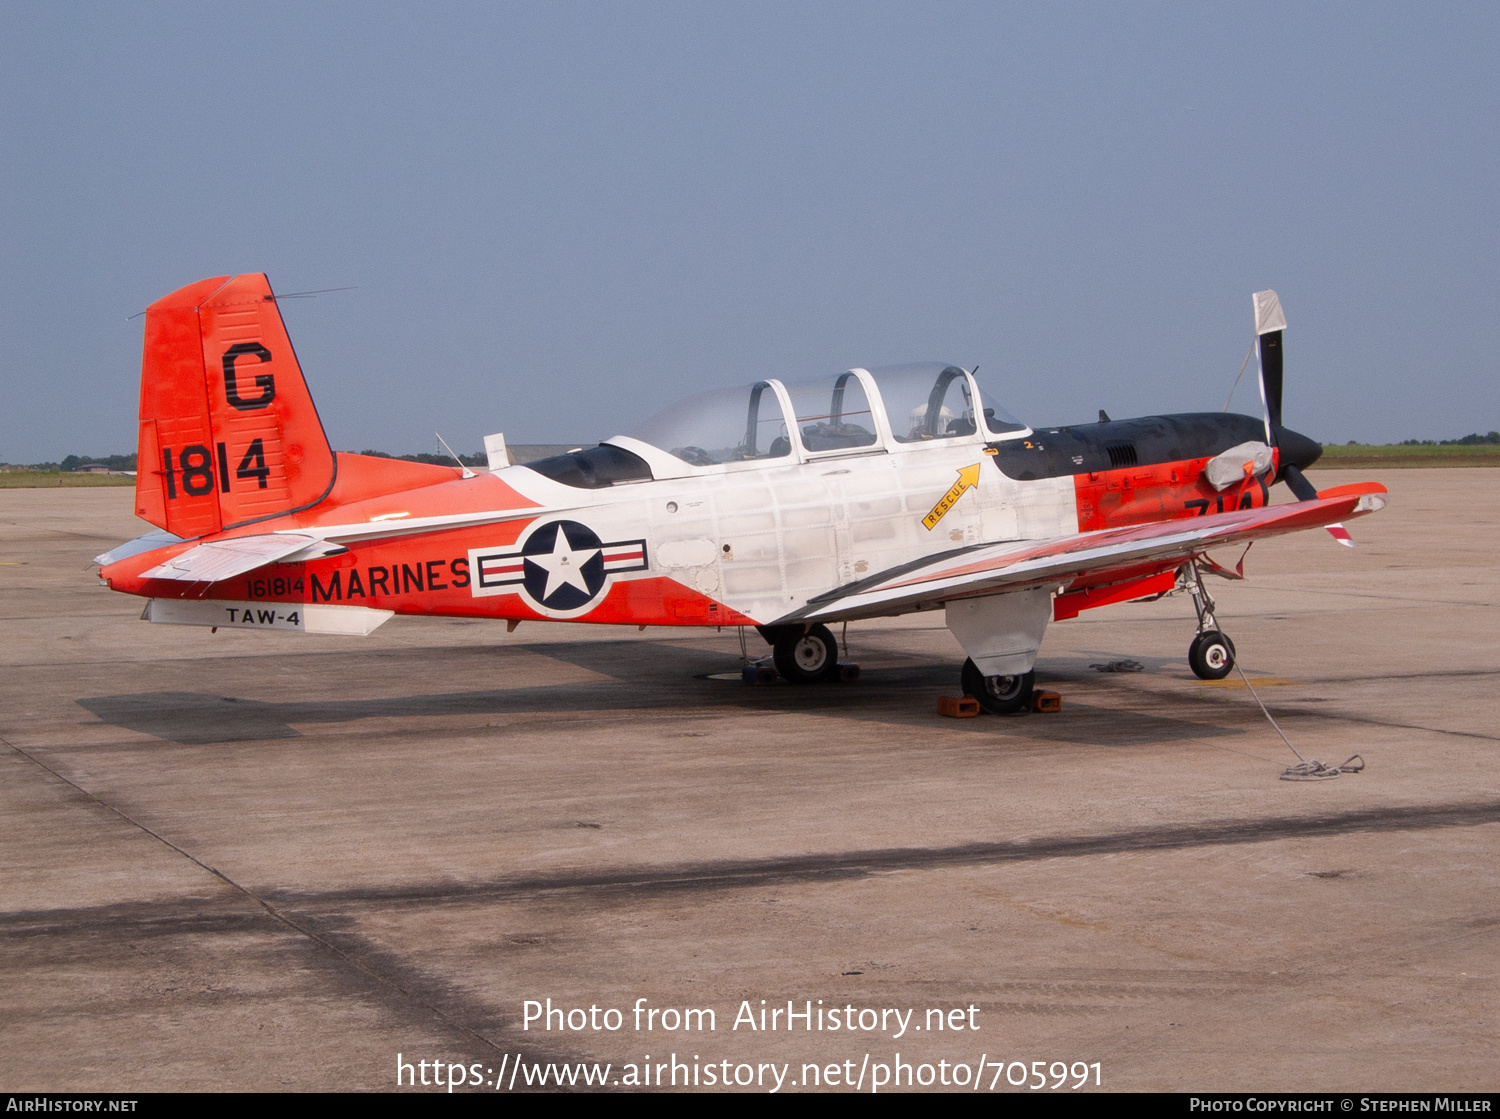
<point x="785" y="507"/>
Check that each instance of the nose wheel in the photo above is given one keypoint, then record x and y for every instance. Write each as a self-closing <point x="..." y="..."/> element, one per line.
<point x="1211" y="655"/>
<point x="998" y="695"/>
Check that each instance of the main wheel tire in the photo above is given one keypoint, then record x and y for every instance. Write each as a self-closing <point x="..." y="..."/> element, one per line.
<point x="807" y="658"/>
<point x="1211" y="655"/>
<point x="999" y="695"/>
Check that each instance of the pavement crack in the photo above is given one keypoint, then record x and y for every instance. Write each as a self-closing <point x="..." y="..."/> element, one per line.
<point x="281" y="917"/>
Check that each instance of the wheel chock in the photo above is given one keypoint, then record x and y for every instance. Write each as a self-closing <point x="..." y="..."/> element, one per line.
<point x="958" y="707"/>
<point x="1049" y="703"/>
<point x="848" y="673"/>
<point x="758" y="674"/>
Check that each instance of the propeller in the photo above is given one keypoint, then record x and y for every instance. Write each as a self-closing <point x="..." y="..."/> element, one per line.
<point x="1296" y="452"/>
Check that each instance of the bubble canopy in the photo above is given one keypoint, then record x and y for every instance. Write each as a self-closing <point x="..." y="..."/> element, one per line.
<point x="845" y="413"/>
<point x="721" y="425"/>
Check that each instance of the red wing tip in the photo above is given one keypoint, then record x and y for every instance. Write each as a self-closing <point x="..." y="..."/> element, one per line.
<point x="1354" y="489"/>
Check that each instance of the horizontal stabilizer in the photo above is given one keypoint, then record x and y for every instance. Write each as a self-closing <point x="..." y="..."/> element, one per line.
<point x="217" y="560"/>
<point x="147" y="543"/>
<point x="224" y="559"/>
<point x="411" y="526"/>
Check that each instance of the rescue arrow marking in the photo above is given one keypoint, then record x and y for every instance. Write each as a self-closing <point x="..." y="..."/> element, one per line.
<point x="968" y="476"/>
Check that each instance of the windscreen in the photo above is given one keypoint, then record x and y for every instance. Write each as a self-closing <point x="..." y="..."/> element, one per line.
<point x="933" y="401"/>
<point x="996" y="418"/>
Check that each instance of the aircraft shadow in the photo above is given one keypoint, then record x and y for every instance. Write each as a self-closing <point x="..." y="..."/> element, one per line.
<point x="196" y="719"/>
<point x="672" y="678"/>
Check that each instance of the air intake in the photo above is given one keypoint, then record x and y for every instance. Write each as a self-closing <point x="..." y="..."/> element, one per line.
<point x="1121" y="454"/>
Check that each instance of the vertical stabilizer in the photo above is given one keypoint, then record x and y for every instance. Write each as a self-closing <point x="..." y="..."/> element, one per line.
<point x="228" y="431"/>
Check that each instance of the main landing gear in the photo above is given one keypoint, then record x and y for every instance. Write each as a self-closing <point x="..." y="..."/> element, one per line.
<point x="997" y="695"/>
<point x="804" y="656"/>
<point x="1211" y="655"/>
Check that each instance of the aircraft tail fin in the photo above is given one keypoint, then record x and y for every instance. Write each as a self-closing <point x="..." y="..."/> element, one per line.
<point x="229" y="433"/>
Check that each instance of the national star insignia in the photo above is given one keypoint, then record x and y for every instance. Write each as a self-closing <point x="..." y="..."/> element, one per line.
<point x="563" y="565"/>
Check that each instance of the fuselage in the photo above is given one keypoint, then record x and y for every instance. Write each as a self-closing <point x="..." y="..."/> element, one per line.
<point x="613" y="541"/>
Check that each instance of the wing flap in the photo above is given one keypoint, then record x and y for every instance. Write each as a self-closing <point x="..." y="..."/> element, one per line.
<point x="996" y="568"/>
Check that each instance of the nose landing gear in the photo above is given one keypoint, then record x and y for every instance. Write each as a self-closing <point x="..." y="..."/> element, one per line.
<point x="1211" y="654"/>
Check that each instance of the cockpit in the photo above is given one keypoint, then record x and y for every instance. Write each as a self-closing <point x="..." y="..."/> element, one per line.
<point x="860" y="408"/>
<point x="893" y="408"/>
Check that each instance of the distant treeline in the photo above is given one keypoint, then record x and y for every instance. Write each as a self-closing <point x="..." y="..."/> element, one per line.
<point x="431" y="459"/>
<point x="74" y="463"/>
<point x="1475" y="440"/>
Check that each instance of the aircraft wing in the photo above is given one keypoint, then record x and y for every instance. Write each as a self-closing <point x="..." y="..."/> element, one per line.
<point x="988" y="569"/>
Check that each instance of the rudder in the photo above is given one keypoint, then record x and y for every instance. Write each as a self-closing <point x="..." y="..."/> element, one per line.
<point x="229" y="433"/>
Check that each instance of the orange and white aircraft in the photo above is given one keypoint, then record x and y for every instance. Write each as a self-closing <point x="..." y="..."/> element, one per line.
<point x="785" y="507"/>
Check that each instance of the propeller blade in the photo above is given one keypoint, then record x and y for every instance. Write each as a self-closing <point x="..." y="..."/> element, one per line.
<point x="1294" y="450"/>
<point x="1269" y="323"/>
<point x="1297" y="482"/>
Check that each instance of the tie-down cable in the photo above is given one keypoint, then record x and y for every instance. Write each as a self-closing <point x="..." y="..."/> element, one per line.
<point x="1304" y="770"/>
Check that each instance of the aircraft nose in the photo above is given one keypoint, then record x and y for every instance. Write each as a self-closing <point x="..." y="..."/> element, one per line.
<point x="1296" y="449"/>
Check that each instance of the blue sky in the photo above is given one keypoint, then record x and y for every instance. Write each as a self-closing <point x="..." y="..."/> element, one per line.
<point x="560" y="217"/>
